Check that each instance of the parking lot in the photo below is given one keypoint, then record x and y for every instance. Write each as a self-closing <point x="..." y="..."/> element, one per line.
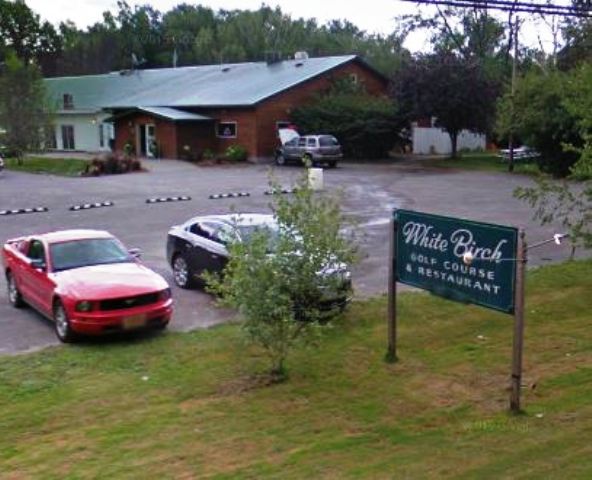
<point x="369" y="193"/>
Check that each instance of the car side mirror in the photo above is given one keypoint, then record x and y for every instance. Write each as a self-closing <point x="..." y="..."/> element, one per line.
<point x="38" y="264"/>
<point x="135" y="252"/>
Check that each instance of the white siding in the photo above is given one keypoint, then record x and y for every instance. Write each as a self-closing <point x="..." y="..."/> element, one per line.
<point x="86" y="131"/>
<point x="437" y="141"/>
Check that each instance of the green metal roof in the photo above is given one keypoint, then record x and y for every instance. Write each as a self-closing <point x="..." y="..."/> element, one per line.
<point x="239" y="84"/>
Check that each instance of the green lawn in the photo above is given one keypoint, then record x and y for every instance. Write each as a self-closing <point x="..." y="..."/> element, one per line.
<point x="484" y="162"/>
<point x="188" y="405"/>
<point x="70" y="167"/>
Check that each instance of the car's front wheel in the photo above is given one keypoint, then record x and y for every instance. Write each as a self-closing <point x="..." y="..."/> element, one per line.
<point x="280" y="159"/>
<point x="14" y="295"/>
<point x="182" y="272"/>
<point x="62" y="325"/>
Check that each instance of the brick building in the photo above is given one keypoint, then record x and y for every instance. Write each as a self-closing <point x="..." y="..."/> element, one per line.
<point x="177" y="112"/>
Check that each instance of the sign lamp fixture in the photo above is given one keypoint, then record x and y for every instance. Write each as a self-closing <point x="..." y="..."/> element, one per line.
<point x="468" y="256"/>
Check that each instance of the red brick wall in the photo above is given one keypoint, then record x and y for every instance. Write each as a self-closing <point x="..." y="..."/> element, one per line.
<point x="166" y="138"/>
<point x="246" y="128"/>
<point x="199" y="136"/>
<point x="279" y="107"/>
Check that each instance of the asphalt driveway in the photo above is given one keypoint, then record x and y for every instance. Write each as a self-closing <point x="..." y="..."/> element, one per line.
<point x="369" y="193"/>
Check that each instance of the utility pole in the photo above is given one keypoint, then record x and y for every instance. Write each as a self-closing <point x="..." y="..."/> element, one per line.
<point x="513" y="91"/>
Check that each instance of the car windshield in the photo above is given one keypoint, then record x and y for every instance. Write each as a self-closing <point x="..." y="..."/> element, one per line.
<point x="84" y="253"/>
<point x="271" y="230"/>
<point x="328" y="141"/>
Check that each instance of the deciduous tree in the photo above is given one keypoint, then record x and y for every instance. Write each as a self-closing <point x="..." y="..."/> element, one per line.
<point x="22" y="32"/>
<point x="458" y="92"/>
<point x="25" y="112"/>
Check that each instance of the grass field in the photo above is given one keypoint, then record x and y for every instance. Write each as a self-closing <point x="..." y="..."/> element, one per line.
<point x="70" y="167"/>
<point x="189" y="405"/>
<point x="484" y="162"/>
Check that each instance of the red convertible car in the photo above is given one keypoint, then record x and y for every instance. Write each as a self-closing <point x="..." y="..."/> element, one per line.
<point x="86" y="282"/>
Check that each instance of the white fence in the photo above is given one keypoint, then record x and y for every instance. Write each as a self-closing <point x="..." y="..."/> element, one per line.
<point x="437" y="141"/>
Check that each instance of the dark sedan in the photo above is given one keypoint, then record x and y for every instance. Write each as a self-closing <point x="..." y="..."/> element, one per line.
<point x="200" y="245"/>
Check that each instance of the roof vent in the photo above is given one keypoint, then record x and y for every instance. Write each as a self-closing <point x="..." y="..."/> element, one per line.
<point x="226" y="69"/>
<point x="301" y="55"/>
<point x="299" y="64"/>
<point x="125" y="72"/>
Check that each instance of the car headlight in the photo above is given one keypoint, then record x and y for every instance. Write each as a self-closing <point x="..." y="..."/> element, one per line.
<point x="165" y="294"/>
<point x="84" y="306"/>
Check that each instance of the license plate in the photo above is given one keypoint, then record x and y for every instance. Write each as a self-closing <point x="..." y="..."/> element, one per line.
<point x="134" y="321"/>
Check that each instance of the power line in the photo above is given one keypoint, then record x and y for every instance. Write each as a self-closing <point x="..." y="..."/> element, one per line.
<point x="581" y="9"/>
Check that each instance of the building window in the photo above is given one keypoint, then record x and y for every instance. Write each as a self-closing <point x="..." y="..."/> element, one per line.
<point x="68" y="101"/>
<point x="226" y="129"/>
<point x="353" y="78"/>
<point x="68" y="137"/>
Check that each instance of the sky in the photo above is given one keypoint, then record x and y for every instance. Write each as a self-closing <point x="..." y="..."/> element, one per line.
<point x="373" y="16"/>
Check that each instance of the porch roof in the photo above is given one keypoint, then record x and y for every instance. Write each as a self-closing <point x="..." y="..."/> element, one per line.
<point x="168" y="113"/>
<point x="174" y="114"/>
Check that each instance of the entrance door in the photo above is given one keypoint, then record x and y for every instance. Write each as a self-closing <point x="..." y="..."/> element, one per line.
<point x="150" y="140"/>
<point x="146" y="140"/>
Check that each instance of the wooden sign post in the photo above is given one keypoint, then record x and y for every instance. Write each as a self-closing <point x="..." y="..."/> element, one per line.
<point x="391" y="354"/>
<point x="518" y="343"/>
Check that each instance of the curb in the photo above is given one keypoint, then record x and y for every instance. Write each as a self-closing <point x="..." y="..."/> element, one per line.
<point x="182" y="198"/>
<point x="88" y="206"/>
<point x="282" y="191"/>
<point x="229" y="195"/>
<point x="20" y="211"/>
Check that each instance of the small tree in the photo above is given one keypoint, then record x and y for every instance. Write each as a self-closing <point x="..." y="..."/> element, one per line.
<point x="25" y="113"/>
<point x="278" y="294"/>
<point x="569" y="205"/>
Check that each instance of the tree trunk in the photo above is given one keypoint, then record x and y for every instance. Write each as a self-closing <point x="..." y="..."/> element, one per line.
<point x="453" y="139"/>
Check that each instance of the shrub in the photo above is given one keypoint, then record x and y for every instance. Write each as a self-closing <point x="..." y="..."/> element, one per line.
<point x="112" y="164"/>
<point x="128" y="148"/>
<point x="236" y="153"/>
<point x="208" y="154"/>
<point x="190" y="154"/>
<point x="366" y="126"/>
